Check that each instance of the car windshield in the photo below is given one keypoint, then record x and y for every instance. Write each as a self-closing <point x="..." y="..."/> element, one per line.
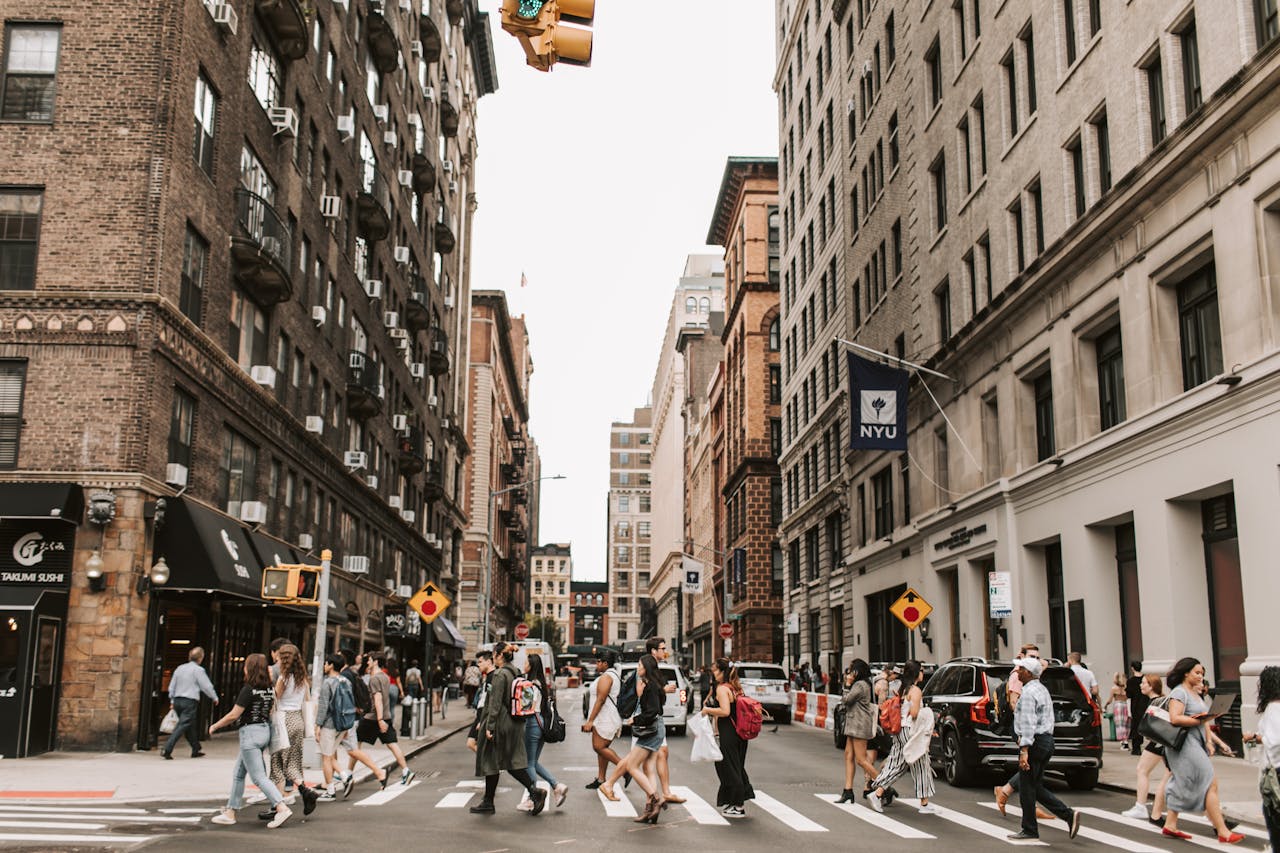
<point x="761" y="673"/>
<point x="668" y="674"/>
<point x="1064" y="687"/>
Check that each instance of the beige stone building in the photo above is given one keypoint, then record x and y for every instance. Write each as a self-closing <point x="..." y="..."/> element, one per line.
<point x="630" y="523"/>
<point x="550" y="571"/>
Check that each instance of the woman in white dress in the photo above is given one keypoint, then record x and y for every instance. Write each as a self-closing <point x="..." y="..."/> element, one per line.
<point x="603" y="721"/>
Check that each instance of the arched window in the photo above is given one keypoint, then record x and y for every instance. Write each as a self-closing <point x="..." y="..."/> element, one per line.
<point x="775" y="335"/>
<point x="704" y="306"/>
<point x="599" y="599"/>
<point x="691" y="305"/>
<point x="577" y="599"/>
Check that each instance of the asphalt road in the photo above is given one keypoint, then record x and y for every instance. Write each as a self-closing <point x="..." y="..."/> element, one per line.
<point x="792" y="770"/>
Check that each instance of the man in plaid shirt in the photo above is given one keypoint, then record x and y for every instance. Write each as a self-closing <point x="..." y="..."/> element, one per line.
<point x="1033" y="724"/>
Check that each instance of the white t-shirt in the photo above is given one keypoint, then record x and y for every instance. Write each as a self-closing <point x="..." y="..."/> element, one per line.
<point x="1269" y="729"/>
<point x="1086" y="678"/>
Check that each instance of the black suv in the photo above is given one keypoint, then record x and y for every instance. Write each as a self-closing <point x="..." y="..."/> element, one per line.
<point x="974" y="726"/>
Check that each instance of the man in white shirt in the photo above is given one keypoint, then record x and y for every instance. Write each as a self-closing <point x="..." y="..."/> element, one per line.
<point x="1082" y="672"/>
<point x="185" y="686"/>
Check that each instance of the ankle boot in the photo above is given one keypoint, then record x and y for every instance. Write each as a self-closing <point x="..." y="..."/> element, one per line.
<point x="846" y="796"/>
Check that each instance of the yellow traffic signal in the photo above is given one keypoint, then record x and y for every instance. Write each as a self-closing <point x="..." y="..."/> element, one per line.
<point x="296" y="584"/>
<point x="538" y="24"/>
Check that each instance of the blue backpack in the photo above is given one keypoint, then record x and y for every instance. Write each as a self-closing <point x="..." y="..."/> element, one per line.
<point x="342" y="707"/>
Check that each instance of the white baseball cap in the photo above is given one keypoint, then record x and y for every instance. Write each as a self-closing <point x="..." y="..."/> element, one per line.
<point x="1031" y="665"/>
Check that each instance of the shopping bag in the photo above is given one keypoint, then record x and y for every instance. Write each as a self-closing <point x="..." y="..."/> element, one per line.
<point x="705" y="747"/>
<point x="170" y="722"/>
<point x="309" y="718"/>
<point x="279" y="732"/>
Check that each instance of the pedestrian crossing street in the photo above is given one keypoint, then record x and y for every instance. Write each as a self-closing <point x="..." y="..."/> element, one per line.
<point x="106" y="826"/>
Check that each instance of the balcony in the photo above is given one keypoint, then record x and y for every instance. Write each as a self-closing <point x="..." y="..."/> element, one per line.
<point x="453" y="8"/>
<point x="287" y="24"/>
<point x="433" y="488"/>
<point x="446" y="242"/>
<point x="424" y="172"/>
<point x="520" y="497"/>
<point x="448" y="115"/>
<point x="373" y="206"/>
<point x="384" y="42"/>
<point x="417" y="308"/>
<point x="260" y="251"/>
<point x="364" y="393"/>
<point x="429" y="35"/>
<point x="438" y="352"/>
<point x="511" y="474"/>
<point x="411" y="452"/>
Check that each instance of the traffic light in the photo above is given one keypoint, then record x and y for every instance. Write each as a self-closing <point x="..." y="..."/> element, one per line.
<point x="538" y="24"/>
<point x="295" y="584"/>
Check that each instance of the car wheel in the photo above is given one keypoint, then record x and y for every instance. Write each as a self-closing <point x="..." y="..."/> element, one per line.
<point x="958" y="774"/>
<point x="1082" y="780"/>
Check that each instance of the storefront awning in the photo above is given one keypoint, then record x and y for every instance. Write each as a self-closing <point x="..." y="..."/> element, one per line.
<point x="42" y="500"/>
<point x="446" y="633"/>
<point x="25" y="597"/>
<point x="271" y="551"/>
<point x="206" y="550"/>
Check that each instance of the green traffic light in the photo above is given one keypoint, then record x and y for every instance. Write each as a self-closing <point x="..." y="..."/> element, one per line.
<point x="530" y="8"/>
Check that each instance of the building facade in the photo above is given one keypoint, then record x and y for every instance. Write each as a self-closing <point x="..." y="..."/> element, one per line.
<point x="550" y="570"/>
<point x="630" y="523"/>
<point x="231" y="291"/>
<point x="589" y="612"/>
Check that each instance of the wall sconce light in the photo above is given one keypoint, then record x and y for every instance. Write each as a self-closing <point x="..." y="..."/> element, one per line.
<point x="101" y="512"/>
<point x="159" y="576"/>
<point x="93" y="571"/>
<point x="924" y="634"/>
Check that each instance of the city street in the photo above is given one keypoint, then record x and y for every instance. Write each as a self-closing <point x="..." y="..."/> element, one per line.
<point x="795" y="772"/>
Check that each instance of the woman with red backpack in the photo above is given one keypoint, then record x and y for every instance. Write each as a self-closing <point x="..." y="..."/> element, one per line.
<point x="722" y="707"/>
<point x="910" y="722"/>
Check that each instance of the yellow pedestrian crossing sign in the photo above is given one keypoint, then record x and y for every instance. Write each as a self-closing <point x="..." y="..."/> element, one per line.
<point x="430" y="602"/>
<point x="911" y="609"/>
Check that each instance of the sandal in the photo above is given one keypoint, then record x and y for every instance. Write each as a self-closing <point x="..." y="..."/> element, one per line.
<point x="607" y="793"/>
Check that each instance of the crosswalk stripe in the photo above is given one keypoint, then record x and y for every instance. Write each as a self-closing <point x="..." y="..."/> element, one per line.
<point x="1242" y="829"/>
<point x="205" y="811"/>
<point x="383" y="797"/>
<point x="455" y="799"/>
<point x="8" y="813"/>
<point x="50" y="824"/>
<point x="874" y="818"/>
<point x="470" y="783"/>
<point x="698" y="808"/>
<point x="786" y="814"/>
<point x="621" y="808"/>
<point x="1146" y="826"/>
<point x="1117" y="841"/>
<point x="1000" y="833"/>
<point x="74" y="810"/>
<point x="72" y="839"/>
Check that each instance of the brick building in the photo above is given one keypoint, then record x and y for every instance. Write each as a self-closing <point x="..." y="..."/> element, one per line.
<point x="232" y="276"/>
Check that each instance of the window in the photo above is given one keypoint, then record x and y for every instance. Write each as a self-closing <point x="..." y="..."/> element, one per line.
<point x="890" y="41"/>
<point x="835" y="541"/>
<point x="643" y="529"/>
<point x="1057" y="600"/>
<point x="942" y="302"/>
<point x="1042" y="388"/>
<point x="942" y="465"/>
<point x="247" y="342"/>
<point x="264" y="74"/>
<point x="1011" y="92"/>
<point x="1110" y="378"/>
<point x="793" y="557"/>
<point x="238" y="474"/>
<point x="1015" y="219"/>
<point x="1102" y="135"/>
<point x="1201" y="334"/>
<point x="1095" y="17"/>
<point x="966" y="158"/>
<point x="933" y="64"/>
<point x="811" y="553"/>
<point x="980" y="113"/>
<point x="31" y="64"/>
<point x="19" y="237"/>
<point x="775" y="383"/>
<point x="984" y="263"/>
<point x="644" y="503"/>
<point x="938" y="178"/>
<point x="1268" y="20"/>
<point x="991" y="450"/>
<point x="862" y="514"/>
<point x="895" y="240"/>
<point x="1155" y="98"/>
<point x="1069" y="29"/>
<point x="882" y="501"/>
<point x="1037" y="212"/>
<point x="962" y="41"/>
<point x="206" y="112"/>
<point x="181" y="427"/>
<point x="13" y="379"/>
<point x="893" y="143"/>
<point x="1029" y="52"/>
<point x="1191" y="94"/>
<point x="775" y="335"/>
<point x="1075" y="150"/>
<point x="195" y="260"/>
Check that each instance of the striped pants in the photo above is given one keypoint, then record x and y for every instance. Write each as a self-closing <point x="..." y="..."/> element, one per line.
<point x="896" y="765"/>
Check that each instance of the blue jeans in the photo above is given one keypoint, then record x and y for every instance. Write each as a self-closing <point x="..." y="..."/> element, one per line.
<point x="533" y="748"/>
<point x="254" y="740"/>
<point x="186" y="710"/>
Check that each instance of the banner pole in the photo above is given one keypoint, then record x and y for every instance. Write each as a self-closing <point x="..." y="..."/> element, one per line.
<point x="894" y="358"/>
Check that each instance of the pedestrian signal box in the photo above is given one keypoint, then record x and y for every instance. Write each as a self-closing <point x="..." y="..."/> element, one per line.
<point x="295" y="584"/>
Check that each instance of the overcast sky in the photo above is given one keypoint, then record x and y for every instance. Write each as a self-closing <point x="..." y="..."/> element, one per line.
<point x="596" y="183"/>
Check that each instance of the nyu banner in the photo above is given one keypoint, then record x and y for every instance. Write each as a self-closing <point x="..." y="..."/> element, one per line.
<point x="878" y="404"/>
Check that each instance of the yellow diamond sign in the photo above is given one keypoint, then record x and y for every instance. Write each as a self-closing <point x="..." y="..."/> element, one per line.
<point x="911" y="609"/>
<point x="430" y="602"/>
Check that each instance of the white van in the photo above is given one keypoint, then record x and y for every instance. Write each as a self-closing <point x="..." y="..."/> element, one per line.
<point x="524" y="648"/>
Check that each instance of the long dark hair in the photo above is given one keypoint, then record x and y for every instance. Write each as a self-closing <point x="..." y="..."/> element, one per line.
<point x="256" y="674"/>
<point x="537" y="672"/>
<point x="652" y="681"/>
<point x="1179" y="672"/>
<point x="910" y="672"/>
<point x="1268" y="687"/>
<point x="861" y="670"/>
<point x="729" y="675"/>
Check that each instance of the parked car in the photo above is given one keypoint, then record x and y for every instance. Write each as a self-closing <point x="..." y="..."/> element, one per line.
<point x="974" y="730"/>
<point x="675" y="711"/>
<point x="767" y="683"/>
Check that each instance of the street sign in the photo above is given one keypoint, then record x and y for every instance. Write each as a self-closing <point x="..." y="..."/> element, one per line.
<point x="1000" y="591"/>
<point x="726" y="631"/>
<point x="911" y="609"/>
<point x="430" y="602"/>
<point x="522" y="631"/>
<point x="692" y="575"/>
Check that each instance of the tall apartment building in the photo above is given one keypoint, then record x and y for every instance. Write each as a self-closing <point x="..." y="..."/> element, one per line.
<point x="589" y="612"/>
<point x="630" y="525"/>
<point x="233" y="287"/>
<point x="550" y="571"/>
<point x="1089" y="254"/>
<point x="500" y="480"/>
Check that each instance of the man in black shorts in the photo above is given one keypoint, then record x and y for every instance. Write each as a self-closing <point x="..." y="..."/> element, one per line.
<point x="376" y="726"/>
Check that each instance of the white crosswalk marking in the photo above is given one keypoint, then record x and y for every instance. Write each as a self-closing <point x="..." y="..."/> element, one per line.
<point x="1146" y="826"/>
<point x="87" y="810"/>
<point x="698" y="808"/>
<point x="1242" y="829"/>
<point x="10" y="813"/>
<point x="1000" y="833"/>
<point x="455" y="799"/>
<point x="383" y="797"/>
<point x="880" y="821"/>
<point x="622" y="808"/>
<point x="1116" y="841"/>
<point x="786" y="814"/>
<point x="50" y="824"/>
<point x="72" y="839"/>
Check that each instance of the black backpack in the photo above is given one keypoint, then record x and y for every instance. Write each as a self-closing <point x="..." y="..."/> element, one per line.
<point x="553" y="727"/>
<point x="627" y="697"/>
<point x="359" y="692"/>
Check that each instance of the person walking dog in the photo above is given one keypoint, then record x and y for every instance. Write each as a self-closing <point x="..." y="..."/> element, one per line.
<point x="1033" y="724"/>
<point x="185" y="686"/>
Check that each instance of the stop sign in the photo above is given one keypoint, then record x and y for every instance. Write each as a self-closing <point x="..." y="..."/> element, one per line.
<point x="726" y="631"/>
<point x="522" y="631"/>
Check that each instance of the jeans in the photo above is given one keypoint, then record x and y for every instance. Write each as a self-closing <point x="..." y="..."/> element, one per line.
<point x="533" y="748"/>
<point x="254" y="740"/>
<point x="1031" y="787"/>
<point x="186" y="710"/>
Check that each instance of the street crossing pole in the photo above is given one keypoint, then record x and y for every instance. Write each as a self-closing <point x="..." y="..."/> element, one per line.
<point x="322" y="622"/>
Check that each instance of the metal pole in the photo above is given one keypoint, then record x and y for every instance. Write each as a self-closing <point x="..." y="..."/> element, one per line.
<point x="912" y="632"/>
<point x="900" y="361"/>
<point x="322" y="622"/>
<point x="429" y="670"/>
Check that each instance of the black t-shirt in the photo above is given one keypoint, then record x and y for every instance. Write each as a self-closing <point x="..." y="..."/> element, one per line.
<point x="257" y="704"/>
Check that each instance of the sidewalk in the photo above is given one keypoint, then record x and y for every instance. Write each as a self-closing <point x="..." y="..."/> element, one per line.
<point x="131" y="777"/>
<point x="1237" y="781"/>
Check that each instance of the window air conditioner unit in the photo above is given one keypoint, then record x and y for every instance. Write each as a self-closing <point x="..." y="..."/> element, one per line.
<point x="405" y="177"/>
<point x="408" y="515"/>
<point x="433" y="401"/>
<point x="866" y="67"/>
<point x="394" y="501"/>
<point x="429" y="93"/>
<point x="381" y="112"/>
<point x="414" y="119"/>
<point x="418" y="370"/>
<point x="404" y="591"/>
<point x="399" y="423"/>
<point x="175" y="474"/>
<point x="432" y="540"/>
<point x="390" y="319"/>
<point x="263" y="375"/>
<point x="406" y="5"/>
<point x="284" y="120"/>
<point x="225" y="17"/>
<point x="356" y="565"/>
<point x="382" y="392"/>
<point x="390" y="139"/>
<point x="253" y="512"/>
<point x="402" y="254"/>
<point x="304" y="541"/>
<point x="355" y="459"/>
<point x="330" y="206"/>
<point x="399" y="335"/>
<point x="447" y="166"/>
<point x="445" y="424"/>
<point x="390" y="584"/>
<point x="373" y="288"/>
<point x="347" y="126"/>
<point x="315" y="424"/>
<point x="415" y="47"/>
<point x="372" y="481"/>
<point x="453" y="187"/>
<point x="356" y="360"/>
<point x="319" y="314"/>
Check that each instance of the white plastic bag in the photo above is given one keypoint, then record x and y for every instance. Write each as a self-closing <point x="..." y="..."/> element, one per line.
<point x="705" y="747"/>
<point x="169" y="723"/>
<point x="279" y="732"/>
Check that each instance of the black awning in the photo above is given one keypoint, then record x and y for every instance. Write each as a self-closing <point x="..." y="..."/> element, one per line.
<point x="26" y="597"/>
<point x="206" y="549"/>
<point x="447" y="634"/>
<point x="271" y="551"/>
<point x="42" y="500"/>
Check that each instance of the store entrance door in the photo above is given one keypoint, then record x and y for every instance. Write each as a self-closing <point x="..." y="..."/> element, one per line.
<point x="30" y="661"/>
<point x="42" y="720"/>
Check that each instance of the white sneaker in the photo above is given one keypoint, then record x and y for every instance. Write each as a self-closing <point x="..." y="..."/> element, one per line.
<point x="561" y="791"/>
<point x="874" y="799"/>
<point x="281" y="816"/>
<point x="226" y="817"/>
<point x="927" y="809"/>
<point x="734" y="811"/>
<point x="1137" y="811"/>
<point x="255" y="799"/>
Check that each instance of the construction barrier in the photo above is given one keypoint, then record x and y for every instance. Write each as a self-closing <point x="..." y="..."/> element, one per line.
<point x="814" y="709"/>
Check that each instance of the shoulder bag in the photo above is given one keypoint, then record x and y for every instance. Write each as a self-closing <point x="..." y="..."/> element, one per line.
<point x="1156" y="725"/>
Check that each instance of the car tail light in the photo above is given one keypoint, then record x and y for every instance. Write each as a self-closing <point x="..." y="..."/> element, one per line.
<point x="684" y="697"/>
<point x="978" y="710"/>
<point x="786" y="687"/>
<point x="1093" y="706"/>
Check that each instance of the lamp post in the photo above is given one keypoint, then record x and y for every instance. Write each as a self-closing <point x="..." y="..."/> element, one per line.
<point x="488" y="550"/>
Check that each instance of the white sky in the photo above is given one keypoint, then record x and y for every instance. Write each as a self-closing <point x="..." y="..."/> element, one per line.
<point x="597" y="182"/>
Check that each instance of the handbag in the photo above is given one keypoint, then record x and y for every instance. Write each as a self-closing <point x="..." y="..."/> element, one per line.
<point x="1156" y="726"/>
<point x="279" y="732"/>
<point x="170" y="722"/>
<point x="644" y="726"/>
<point x="838" y="722"/>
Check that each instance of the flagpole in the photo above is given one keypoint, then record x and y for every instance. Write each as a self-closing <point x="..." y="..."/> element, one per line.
<point x="900" y="361"/>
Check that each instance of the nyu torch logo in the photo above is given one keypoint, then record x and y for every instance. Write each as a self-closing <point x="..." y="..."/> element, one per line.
<point x="30" y="549"/>
<point x="879" y="414"/>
